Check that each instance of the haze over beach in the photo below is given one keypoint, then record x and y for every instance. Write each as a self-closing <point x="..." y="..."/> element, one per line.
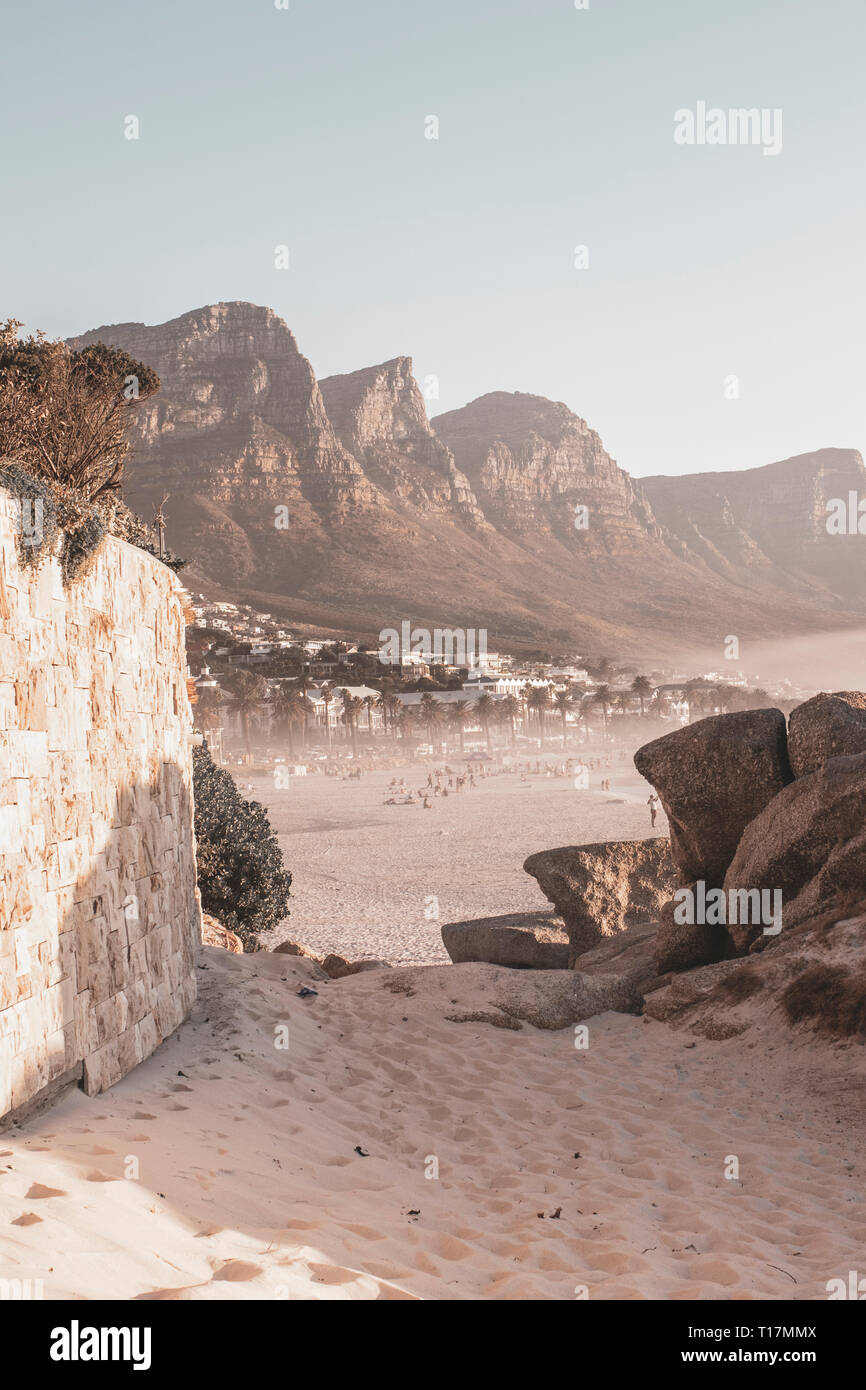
<point x="432" y="672"/>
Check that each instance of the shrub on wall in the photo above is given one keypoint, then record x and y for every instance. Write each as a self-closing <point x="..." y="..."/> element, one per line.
<point x="46" y="507"/>
<point x="241" y="876"/>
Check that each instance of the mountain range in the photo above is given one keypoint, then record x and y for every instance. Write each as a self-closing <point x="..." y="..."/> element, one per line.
<point x="339" y="505"/>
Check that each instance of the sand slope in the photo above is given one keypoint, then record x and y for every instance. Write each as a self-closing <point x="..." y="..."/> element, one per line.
<point x="249" y="1184"/>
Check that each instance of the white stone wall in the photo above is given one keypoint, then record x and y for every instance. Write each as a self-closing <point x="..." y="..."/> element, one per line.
<point x="99" y="912"/>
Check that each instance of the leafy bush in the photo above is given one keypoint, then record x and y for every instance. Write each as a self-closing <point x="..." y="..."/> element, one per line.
<point x="241" y="876"/>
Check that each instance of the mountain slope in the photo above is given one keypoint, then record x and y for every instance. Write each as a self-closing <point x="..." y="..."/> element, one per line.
<point x="338" y="504"/>
<point x="770" y="524"/>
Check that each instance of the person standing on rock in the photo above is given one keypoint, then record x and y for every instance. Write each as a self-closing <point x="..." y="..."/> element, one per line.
<point x="653" y="803"/>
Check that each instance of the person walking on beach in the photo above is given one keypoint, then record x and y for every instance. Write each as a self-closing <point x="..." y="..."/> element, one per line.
<point x="653" y="803"/>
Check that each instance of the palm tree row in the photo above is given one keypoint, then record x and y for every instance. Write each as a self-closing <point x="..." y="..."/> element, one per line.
<point x="292" y="710"/>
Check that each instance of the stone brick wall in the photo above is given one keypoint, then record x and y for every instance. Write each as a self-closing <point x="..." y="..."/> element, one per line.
<point x="99" y="912"/>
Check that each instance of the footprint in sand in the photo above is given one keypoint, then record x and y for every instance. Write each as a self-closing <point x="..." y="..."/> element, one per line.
<point x="237" y="1271"/>
<point x="365" y="1232"/>
<point x="38" y="1189"/>
<point x="96" y="1176"/>
<point x="27" y="1218"/>
<point x="166" y="1295"/>
<point x="331" y="1274"/>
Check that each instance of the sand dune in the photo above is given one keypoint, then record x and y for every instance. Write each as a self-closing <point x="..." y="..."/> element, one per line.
<point x="559" y="1169"/>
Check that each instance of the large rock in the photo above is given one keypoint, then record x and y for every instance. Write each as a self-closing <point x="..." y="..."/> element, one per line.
<point x="713" y="778"/>
<point x="529" y="941"/>
<point x="828" y="726"/>
<point x="480" y="993"/>
<point x="600" y="890"/>
<point x="684" y="945"/>
<point x="338" y="968"/>
<point x="809" y="843"/>
<point x="630" y="954"/>
<point x="557" y="999"/>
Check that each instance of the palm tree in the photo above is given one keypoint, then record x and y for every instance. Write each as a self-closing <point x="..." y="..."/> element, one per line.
<point x="249" y="692"/>
<point x="430" y="711"/>
<point x="369" y="701"/>
<point x="458" y="713"/>
<point x="586" y="705"/>
<point x="538" y="702"/>
<point x="485" y="708"/>
<point x="602" y="697"/>
<point x="352" y="707"/>
<point x="210" y="703"/>
<point x="562" y="703"/>
<point x="509" y="708"/>
<point x="383" y="703"/>
<point x="642" y="687"/>
<point x="327" y="695"/>
<point x="290" y="708"/>
<point x="304" y="684"/>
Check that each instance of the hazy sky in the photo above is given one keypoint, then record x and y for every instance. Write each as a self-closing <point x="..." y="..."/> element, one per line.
<point x="306" y="127"/>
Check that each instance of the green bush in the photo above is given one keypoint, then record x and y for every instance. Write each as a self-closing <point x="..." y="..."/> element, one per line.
<point x="241" y="876"/>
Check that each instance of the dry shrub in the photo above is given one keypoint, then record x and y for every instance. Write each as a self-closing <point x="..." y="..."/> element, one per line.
<point x="830" y="996"/>
<point x="739" y="986"/>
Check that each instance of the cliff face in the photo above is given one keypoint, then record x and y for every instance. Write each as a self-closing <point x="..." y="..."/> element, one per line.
<point x="768" y="526"/>
<point x="532" y="462"/>
<point x="340" y="505"/>
<point x="380" y="417"/>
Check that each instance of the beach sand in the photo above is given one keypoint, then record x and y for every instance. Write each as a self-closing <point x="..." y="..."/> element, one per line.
<point x="229" y="1167"/>
<point x="226" y="1168"/>
<point x="372" y="880"/>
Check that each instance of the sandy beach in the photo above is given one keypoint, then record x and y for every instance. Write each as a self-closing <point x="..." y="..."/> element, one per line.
<point x="226" y="1168"/>
<point x="366" y="874"/>
<point x="378" y="1140"/>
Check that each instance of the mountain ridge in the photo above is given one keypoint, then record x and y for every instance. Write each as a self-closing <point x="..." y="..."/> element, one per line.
<point x="507" y="514"/>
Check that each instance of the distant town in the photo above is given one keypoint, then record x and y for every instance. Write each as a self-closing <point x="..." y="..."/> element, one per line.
<point x="262" y="691"/>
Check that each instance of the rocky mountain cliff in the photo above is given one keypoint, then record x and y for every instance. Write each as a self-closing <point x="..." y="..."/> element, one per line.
<point x="768" y="526"/>
<point x="339" y="504"/>
<point x="380" y="417"/>
<point x="531" y="463"/>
